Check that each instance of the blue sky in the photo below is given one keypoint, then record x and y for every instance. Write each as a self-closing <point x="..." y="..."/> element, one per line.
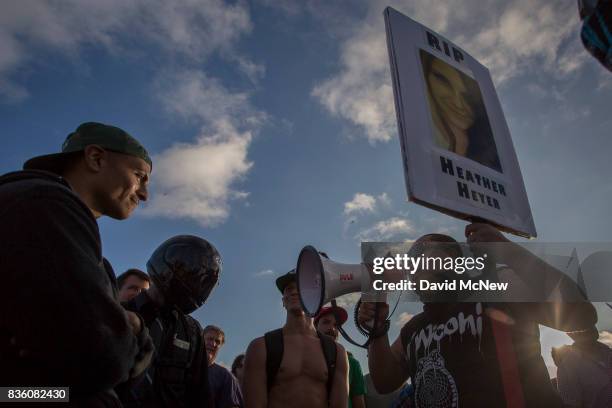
<point x="272" y="125"/>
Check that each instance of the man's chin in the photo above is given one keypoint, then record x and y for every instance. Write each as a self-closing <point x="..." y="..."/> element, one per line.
<point x="296" y="310"/>
<point x="335" y="337"/>
<point x="119" y="214"/>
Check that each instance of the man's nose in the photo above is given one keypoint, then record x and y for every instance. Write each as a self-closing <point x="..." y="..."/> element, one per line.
<point x="142" y="192"/>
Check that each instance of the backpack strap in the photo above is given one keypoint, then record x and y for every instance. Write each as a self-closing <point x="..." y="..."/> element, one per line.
<point x="329" y="352"/>
<point x="274" y="354"/>
<point x="198" y="389"/>
<point x="195" y="353"/>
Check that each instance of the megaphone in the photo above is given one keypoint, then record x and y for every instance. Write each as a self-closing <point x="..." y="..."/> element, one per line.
<point x="320" y="279"/>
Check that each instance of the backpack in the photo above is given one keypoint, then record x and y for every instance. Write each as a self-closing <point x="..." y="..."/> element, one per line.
<point x="274" y="356"/>
<point x="178" y="370"/>
<point x="180" y="361"/>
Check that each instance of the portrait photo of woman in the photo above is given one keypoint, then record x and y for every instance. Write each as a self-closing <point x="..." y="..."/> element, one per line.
<point x="459" y="119"/>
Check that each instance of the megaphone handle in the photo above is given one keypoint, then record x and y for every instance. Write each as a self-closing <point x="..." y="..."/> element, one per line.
<point x="371" y="334"/>
<point x="373" y="322"/>
<point x="345" y="334"/>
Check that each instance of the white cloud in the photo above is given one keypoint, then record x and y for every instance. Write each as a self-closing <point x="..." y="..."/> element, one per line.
<point x="510" y="38"/>
<point x="364" y="203"/>
<point x="197" y="180"/>
<point x="362" y="91"/>
<point x="403" y="318"/>
<point x="361" y="202"/>
<point x="384" y="230"/>
<point x="31" y="30"/>
<point x="196" y="97"/>
<point x="527" y="35"/>
<point x="264" y="273"/>
<point x="604" y="80"/>
<point x="253" y="71"/>
<point x="384" y="199"/>
<point x="198" y="27"/>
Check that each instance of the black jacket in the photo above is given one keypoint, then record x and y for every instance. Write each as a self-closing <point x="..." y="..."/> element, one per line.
<point x="60" y="322"/>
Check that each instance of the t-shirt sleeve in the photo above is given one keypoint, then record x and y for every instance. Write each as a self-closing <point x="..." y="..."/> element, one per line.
<point x="229" y="394"/>
<point x="356" y="379"/>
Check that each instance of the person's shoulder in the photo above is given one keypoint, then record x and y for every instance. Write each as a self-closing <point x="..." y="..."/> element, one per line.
<point x="37" y="188"/>
<point x="256" y="349"/>
<point x="257" y="343"/>
<point x="45" y="201"/>
<point x="413" y="321"/>
<point x="193" y="322"/>
<point x="340" y="348"/>
<point x="33" y="180"/>
<point x="220" y="370"/>
<point x="570" y="356"/>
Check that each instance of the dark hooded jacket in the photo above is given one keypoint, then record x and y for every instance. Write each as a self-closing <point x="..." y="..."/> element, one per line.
<point x="60" y="322"/>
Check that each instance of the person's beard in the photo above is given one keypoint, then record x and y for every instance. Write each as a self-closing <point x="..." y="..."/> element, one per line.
<point x="332" y="334"/>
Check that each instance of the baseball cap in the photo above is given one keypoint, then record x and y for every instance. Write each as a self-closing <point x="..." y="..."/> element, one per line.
<point x="337" y="311"/>
<point x="284" y="280"/>
<point x="109" y="137"/>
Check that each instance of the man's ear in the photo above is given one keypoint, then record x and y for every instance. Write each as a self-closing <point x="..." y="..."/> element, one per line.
<point x="95" y="158"/>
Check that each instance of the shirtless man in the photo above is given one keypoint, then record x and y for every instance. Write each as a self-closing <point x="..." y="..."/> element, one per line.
<point x="301" y="380"/>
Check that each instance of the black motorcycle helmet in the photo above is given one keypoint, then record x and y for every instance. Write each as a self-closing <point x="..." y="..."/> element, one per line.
<point x="185" y="269"/>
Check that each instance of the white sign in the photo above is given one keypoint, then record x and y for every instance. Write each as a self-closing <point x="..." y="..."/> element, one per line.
<point x="456" y="147"/>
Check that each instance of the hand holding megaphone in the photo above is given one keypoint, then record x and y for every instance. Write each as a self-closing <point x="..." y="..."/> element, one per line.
<point x="321" y="280"/>
<point x="369" y="313"/>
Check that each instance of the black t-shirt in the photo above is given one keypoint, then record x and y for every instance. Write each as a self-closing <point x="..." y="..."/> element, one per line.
<point x="476" y="355"/>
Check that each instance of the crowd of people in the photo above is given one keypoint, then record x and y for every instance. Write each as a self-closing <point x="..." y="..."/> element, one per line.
<point x="130" y="341"/>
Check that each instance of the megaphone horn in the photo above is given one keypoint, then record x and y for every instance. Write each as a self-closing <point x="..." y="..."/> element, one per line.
<point x="320" y="279"/>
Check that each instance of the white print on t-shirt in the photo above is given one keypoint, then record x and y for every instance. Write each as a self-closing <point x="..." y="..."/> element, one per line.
<point x="460" y="324"/>
<point x="434" y="386"/>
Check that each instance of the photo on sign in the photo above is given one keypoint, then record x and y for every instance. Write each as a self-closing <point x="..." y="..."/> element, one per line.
<point x="458" y="116"/>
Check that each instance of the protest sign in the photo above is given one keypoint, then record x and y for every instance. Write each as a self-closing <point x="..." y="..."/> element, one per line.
<point x="456" y="146"/>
